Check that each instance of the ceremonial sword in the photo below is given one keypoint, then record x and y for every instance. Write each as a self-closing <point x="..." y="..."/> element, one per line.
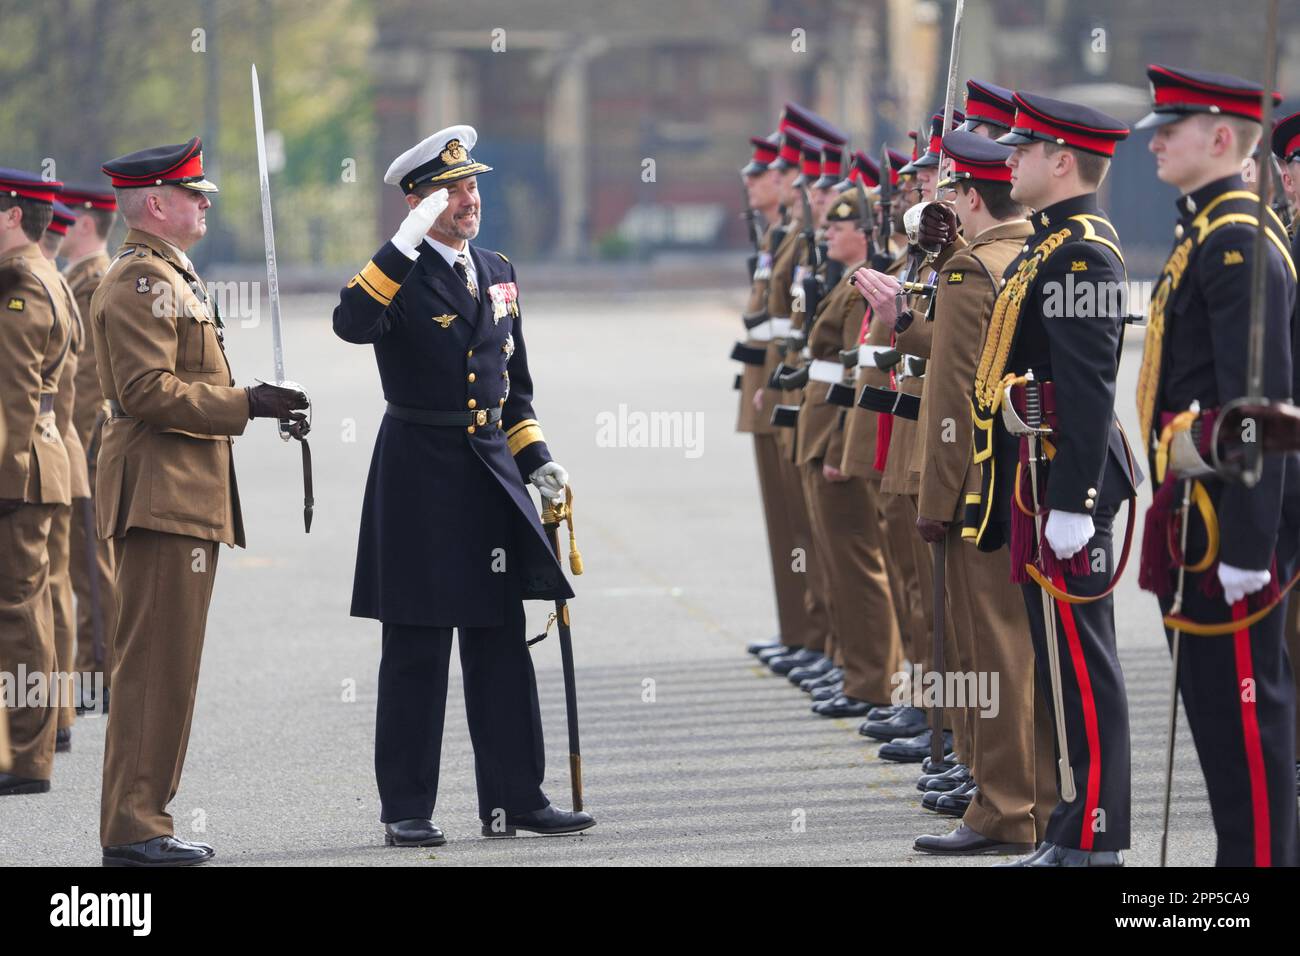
<point x="288" y="429"/>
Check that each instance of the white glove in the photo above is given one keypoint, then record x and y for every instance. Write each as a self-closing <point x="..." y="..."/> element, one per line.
<point x="550" y="480"/>
<point x="418" y="222"/>
<point x="1067" y="532"/>
<point x="1240" y="582"/>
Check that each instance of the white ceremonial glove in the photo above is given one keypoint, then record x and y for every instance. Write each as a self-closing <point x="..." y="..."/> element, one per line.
<point x="1067" y="532"/>
<point x="550" y="480"/>
<point x="418" y="222"/>
<point x="1240" y="582"/>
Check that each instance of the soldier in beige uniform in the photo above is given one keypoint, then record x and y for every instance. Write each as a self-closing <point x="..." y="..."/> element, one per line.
<point x="867" y="442"/>
<point x="85" y="249"/>
<point x="779" y="307"/>
<point x="845" y="513"/>
<point x="57" y="545"/>
<point x="765" y="186"/>
<point x="166" y="488"/>
<point x="35" y="335"/>
<point x="1006" y="813"/>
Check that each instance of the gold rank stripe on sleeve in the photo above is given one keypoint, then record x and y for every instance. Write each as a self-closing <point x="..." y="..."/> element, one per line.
<point x="375" y="283"/>
<point x="523" y="434"/>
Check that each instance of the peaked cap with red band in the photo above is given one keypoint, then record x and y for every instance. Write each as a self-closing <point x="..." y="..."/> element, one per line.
<point x="88" y="197"/>
<point x="178" y="165"/>
<point x="1179" y="93"/>
<point x="19" y="182"/>
<point x="1043" y="119"/>
<point x="988" y="104"/>
<point x="975" y="157"/>
<point x="765" y="148"/>
<point x="1286" y="138"/>
<point x="63" y="218"/>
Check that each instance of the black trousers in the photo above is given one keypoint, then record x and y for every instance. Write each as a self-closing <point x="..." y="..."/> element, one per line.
<point x="1239" y="696"/>
<point x="505" y="723"/>
<point x="1096" y="708"/>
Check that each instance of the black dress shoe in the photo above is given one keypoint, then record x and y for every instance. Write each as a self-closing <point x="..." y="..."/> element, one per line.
<point x="160" y="851"/>
<point x="950" y="760"/>
<point x="841" y="706"/>
<point x="757" y="647"/>
<point x="413" y="832"/>
<point x="784" y="665"/>
<point x="813" y="670"/>
<point x="964" y="841"/>
<point x="833" y="676"/>
<point x="550" y="821"/>
<point x="829" y="692"/>
<point x="884" y="712"/>
<point x="930" y="800"/>
<point x="907" y="722"/>
<point x="950" y="779"/>
<point x="63" y="740"/>
<point x="912" y="749"/>
<point x="780" y="650"/>
<point x="1049" y="854"/>
<point x="955" y="802"/>
<point x="11" y="785"/>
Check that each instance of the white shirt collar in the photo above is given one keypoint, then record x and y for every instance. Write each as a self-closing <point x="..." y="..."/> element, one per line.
<point x="450" y="255"/>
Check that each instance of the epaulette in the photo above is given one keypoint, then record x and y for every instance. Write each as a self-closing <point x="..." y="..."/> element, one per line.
<point x="503" y="257"/>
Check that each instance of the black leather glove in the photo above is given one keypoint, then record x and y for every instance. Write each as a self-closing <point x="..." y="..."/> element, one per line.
<point x="938" y="225"/>
<point x="282" y="404"/>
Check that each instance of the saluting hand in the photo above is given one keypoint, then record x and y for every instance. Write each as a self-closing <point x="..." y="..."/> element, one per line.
<point x="419" y="221"/>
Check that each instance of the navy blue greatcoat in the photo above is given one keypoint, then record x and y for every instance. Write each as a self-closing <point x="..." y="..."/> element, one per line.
<point x="449" y="532"/>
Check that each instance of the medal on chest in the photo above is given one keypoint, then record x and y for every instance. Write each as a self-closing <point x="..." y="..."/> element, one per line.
<point x="505" y="300"/>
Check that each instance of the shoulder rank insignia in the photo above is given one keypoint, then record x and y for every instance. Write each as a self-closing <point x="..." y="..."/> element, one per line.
<point x="956" y="277"/>
<point x="1233" y="257"/>
<point x="1079" y="265"/>
<point x="503" y="257"/>
<point x="142" y="284"/>
<point x="16" y="304"/>
<point x="443" y="320"/>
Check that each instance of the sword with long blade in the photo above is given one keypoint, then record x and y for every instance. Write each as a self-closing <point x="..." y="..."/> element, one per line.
<point x="287" y="428"/>
<point x="950" y="92"/>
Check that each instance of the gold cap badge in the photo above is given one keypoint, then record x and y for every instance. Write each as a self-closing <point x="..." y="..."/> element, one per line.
<point x="453" y="153"/>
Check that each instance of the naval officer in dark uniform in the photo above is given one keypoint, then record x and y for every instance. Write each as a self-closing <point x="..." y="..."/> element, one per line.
<point x="449" y="535"/>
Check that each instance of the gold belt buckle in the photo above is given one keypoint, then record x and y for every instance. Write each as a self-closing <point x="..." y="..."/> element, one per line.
<point x="480" y="417"/>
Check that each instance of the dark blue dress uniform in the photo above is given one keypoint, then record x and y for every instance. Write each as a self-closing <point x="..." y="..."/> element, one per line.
<point x="1073" y="246"/>
<point x="440" y="500"/>
<point x="1237" y="688"/>
<point x="449" y="535"/>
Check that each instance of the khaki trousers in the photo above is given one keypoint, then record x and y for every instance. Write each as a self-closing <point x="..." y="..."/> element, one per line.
<point x="65" y="622"/>
<point x="816" y="630"/>
<point x="27" y="638"/>
<point x="786" y="532"/>
<point x="846" y="529"/>
<point x="992" y="631"/>
<point x="164" y="582"/>
<point x="103" y="574"/>
<point x="900" y="528"/>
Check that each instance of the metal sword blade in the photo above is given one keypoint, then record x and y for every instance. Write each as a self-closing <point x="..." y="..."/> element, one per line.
<point x="268" y="233"/>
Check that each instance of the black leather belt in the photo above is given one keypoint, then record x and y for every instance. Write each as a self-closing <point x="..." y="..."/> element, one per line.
<point x="425" y="416"/>
<point x="115" y="410"/>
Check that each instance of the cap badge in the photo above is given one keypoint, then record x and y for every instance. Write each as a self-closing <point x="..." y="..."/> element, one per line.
<point x="842" y="209"/>
<point x="453" y="153"/>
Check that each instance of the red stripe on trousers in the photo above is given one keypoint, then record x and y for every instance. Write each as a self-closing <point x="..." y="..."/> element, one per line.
<point x="1250" y="735"/>
<point x="1089" y="715"/>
